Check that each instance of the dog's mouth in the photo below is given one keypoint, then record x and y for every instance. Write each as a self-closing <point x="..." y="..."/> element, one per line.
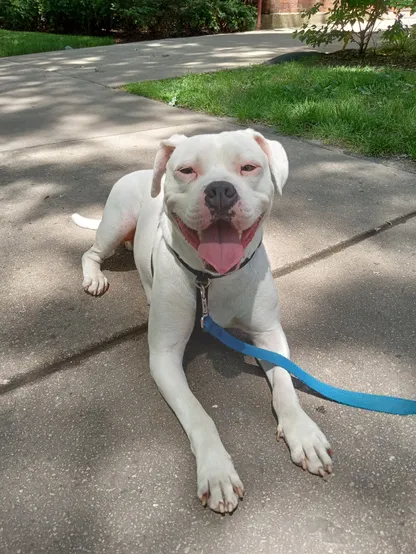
<point x="220" y="245"/>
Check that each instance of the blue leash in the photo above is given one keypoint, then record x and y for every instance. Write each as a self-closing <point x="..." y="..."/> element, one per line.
<point x="374" y="402"/>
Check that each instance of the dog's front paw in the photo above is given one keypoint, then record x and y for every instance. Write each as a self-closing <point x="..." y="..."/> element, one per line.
<point x="219" y="486"/>
<point x="309" y="448"/>
<point x="96" y="285"/>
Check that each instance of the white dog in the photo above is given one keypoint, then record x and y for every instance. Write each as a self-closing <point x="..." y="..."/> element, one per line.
<point x="217" y="191"/>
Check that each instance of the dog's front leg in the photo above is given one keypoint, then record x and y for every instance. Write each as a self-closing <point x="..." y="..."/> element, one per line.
<point x="170" y="325"/>
<point x="308" y="446"/>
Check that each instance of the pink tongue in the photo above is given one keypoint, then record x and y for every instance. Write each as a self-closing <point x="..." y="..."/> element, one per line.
<point x="221" y="247"/>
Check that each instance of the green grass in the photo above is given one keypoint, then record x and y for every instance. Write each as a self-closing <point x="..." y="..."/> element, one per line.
<point x="368" y="110"/>
<point x="14" y="43"/>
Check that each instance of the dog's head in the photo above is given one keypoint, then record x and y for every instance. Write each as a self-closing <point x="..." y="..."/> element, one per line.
<point x="218" y="190"/>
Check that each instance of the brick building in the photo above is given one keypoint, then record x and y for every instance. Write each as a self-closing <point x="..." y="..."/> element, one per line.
<point x="286" y="13"/>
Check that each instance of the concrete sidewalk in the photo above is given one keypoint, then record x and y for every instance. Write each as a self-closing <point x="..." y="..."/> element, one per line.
<point x="94" y="461"/>
<point x="92" y="458"/>
<point x="113" y="66"/>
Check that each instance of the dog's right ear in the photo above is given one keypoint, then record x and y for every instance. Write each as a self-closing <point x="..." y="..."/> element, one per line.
<point x="165" y="151"/>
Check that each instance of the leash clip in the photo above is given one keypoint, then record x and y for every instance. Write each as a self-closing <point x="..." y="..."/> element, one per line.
<point x="203" y="285"/>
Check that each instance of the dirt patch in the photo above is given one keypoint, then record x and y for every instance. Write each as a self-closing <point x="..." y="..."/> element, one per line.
<point x="374" y="58"/>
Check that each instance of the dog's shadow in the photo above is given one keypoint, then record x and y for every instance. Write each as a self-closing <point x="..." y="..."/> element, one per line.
<point x="228" y="363"/>
<point x="122" y="260"/>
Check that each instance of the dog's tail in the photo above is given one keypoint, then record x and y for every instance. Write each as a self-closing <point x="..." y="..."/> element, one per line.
<point x="85" y="222"/>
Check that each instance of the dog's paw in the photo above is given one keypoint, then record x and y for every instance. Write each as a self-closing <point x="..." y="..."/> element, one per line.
<point x="96" y="285"/>
<point x="219" y="486"/>
<point x="309" y="448"/>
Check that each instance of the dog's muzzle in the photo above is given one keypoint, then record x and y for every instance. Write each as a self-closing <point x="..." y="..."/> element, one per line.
<point x="222" y="243"/>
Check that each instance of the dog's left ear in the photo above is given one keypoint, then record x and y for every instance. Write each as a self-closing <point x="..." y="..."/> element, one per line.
<point x="276" y="155"/>
<point x="165" y="151"/>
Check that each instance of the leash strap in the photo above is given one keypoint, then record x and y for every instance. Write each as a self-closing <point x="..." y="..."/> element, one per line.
<point x="373" y="402"/>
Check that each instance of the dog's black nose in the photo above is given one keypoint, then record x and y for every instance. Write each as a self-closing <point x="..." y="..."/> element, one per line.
<point x="220" y="196"/>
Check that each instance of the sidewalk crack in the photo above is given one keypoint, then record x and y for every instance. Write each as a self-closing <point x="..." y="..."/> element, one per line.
<point x="341" y="246"/>
<point x="132" y="333"/>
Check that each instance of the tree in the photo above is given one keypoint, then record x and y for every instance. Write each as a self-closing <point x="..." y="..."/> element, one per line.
<point x="343" y="15"/>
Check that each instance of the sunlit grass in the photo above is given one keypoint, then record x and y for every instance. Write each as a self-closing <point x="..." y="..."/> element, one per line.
<point x="367" y="110"/>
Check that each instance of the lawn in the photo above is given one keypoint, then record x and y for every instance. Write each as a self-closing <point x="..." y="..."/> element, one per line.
<point x="14" y="43"/>
<point x="367" y="110"/>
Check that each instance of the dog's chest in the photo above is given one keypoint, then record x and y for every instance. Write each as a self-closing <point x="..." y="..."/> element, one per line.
<point x="225" y="304"/>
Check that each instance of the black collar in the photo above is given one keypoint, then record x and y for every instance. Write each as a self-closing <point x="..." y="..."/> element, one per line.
<point x="204" y="277"/>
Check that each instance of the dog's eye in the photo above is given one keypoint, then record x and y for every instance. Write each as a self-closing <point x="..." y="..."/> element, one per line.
<point x="186" y="170"/>
<point x="248" y="168"/>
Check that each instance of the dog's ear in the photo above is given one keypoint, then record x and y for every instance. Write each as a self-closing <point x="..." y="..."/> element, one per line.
<point x="165" y="151"/>
<point x="276" y="155"/>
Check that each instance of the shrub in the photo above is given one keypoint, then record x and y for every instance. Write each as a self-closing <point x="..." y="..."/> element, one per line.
<point x="184" y="17"/>
<point x="161" y="18"/>
<point x="400" y="38"/>
<point x="20" y="15"/>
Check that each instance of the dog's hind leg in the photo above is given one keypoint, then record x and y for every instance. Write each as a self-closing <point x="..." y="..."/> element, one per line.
<point x="109" y="235"/>
<point x="117" y="226"/>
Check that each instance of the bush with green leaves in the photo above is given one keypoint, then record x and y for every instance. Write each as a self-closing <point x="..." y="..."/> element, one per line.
<point x="162" y="18"/>
<point x="20" y="14"/>
<point x="185" y="17"/>
<point x="343" y="15"/>
<point x="60" y="16"/>
<point x="399" y="38"/>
